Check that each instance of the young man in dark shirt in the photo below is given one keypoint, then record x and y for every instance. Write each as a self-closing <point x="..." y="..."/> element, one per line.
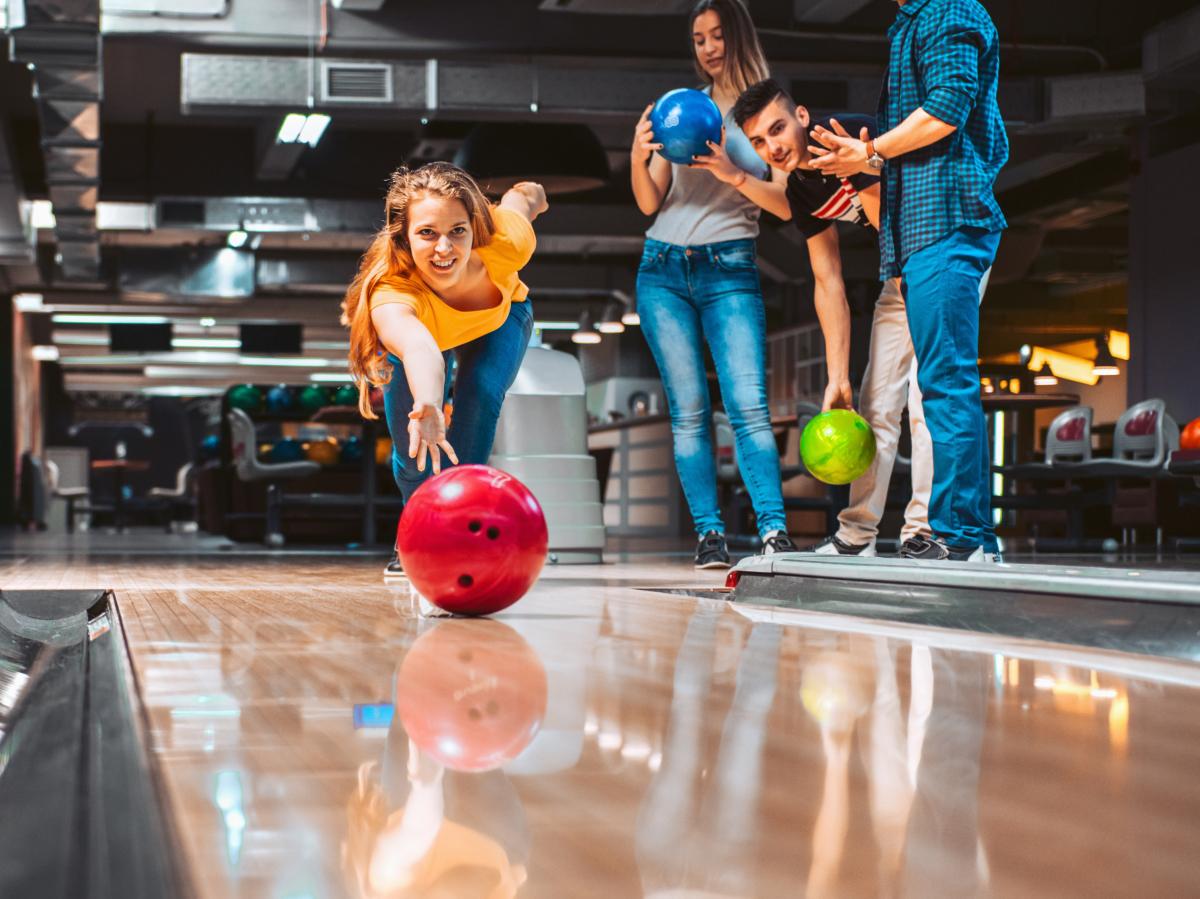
<point x="778" y="130"/>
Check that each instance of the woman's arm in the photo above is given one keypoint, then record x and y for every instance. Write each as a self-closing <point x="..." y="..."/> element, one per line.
<point x="649" y="175"/>
<point x="404" y="336"/>
<point x="769" y="195"/>
<point x="528" y="198"/>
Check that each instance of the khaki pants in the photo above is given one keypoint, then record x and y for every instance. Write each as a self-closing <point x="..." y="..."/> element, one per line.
<point x="889" y="384"/>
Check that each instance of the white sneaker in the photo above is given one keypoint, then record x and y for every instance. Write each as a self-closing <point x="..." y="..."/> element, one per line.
<point x="835" y="546"/>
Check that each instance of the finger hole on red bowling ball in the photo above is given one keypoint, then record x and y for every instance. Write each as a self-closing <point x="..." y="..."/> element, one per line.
<point x="474" y="714"/>
<point x="465" y="580"/>
<point x="493" y="707"/>
<point x="493" y="532"/>
<point x="475" y="526"/>
<point x="466" y="655"/>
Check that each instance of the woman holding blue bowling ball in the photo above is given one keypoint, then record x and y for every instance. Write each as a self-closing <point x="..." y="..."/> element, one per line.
<point x="698" y="283"/>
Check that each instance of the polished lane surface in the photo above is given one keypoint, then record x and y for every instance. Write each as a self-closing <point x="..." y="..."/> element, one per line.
<point x="672" y="746"/>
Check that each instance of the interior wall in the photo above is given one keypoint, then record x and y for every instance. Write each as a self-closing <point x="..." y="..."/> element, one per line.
<point x="1164" y="281"/>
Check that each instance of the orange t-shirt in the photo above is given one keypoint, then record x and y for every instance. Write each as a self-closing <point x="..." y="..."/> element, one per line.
<point x="510" y="251"/>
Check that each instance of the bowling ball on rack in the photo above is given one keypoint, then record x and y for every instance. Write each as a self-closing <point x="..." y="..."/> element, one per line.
<point x="324" y="452"/>
<point x="471" y="694"/>
<point x="346" y="395"/>
<point x="1189" y="439"/>
<point x="246" y="397"/>
<point x="210" y="447"/>
<point x="837" y="446"/>
<point x="383" y="450"/>
<point x="289" y="449"/>
<point x="312" y="398"/>
<point x="683" y="121"/>
<point x="280" y="399"/>
<point x="352" y="451"/>
<point x="472" y="540"/>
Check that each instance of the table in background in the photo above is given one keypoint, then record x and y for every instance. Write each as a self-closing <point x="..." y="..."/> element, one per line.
<point x="118" y="467"/>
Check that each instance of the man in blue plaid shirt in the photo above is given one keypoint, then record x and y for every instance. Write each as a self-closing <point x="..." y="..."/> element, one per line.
<point x="940" y="147"/>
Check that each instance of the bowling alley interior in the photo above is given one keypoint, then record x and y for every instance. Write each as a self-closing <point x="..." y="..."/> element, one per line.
<point x="700" y="620"/>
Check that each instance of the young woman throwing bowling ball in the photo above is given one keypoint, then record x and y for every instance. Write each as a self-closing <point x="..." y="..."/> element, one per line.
<point x="441" y="277"/>
<point x="698" y="283"/>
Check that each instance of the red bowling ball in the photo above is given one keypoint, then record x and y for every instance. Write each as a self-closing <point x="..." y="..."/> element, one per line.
<point x="1190" y="438"/>
<point x="471" y="694"/>
<point x="472" y="540"/>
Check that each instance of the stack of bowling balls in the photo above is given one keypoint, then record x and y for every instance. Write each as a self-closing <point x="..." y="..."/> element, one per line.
<point x="837" y="446"/>
<point x="472" y="540"/>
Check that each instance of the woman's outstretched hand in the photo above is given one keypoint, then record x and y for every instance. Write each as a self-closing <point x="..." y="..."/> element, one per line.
<point x="427" y="437"/>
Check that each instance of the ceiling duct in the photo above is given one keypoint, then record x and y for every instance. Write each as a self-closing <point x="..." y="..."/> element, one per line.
<point x="60" y="41"/>
<point x="1171" y="52"/>
<point x="825" y="12"/>
<point x="563" y="158"/>
<point x="619" y="7"/>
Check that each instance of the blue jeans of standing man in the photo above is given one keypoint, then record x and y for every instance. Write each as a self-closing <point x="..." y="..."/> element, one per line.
<point x="941" y="293"/>
<point x="486" y="368"/>
<point x="689" y="296"/>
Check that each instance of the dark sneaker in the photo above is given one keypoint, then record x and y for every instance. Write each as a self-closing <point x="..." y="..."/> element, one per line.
<point x="393" y="568"/>
<point x="928" y="548"/>
<point x="778" y="542"/>
<point x="711" y="551"/>
<point x="835" y="546"/>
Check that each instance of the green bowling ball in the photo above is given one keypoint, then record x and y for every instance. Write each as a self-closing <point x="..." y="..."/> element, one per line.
<point x="312" y="398"/>
<point x="246" y="397"/>
<point x="346" y="395"/>
<point x="837" y="446"/>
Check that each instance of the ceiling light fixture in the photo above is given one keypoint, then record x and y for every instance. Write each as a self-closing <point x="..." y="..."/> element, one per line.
<point x="585" y="333"/>
<point x="1105" y="364"/>
<point x="298" y="128"/>
<point x="1045" y="376"/>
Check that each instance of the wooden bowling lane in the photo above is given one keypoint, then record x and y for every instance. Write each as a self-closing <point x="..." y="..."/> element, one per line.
<point x="681" y="747"/>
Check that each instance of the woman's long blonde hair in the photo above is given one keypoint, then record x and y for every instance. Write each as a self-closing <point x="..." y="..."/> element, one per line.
<point x="744" y="61"/>
<point x="390" y="255"/>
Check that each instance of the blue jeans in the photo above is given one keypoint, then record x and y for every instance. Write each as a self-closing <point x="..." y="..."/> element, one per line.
<point x="710" y="294"/>
<point x="941" y="294"/>
<point x="486" y="368"/>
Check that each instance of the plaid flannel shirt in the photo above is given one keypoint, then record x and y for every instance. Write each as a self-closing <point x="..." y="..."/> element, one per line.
<point x="945" y="59"/>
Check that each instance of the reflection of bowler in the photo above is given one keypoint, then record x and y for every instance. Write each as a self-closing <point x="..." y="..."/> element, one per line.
<point x="940" y="147"/>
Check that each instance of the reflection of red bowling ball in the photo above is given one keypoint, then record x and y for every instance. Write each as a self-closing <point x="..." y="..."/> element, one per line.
<point x="471" y="694"/>
<point x="1190" y="438"/>
<point x="472" y="540"/>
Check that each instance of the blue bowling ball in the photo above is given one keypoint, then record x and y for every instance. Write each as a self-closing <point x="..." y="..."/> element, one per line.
<point x="288" y="449"/>
<point x="279" y="399"/>
<point x="352" y="450"/>
<point x="210" y="447"/>
<point x="683" y="121"/>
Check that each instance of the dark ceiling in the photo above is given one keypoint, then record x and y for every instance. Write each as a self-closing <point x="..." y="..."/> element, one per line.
<point x="1066" y="189"/>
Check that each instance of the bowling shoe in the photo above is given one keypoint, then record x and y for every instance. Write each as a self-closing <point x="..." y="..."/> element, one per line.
<point x="778" y="542"/>
<point x="921" y="547"/>
<point x="711" y="551"/>
<point x="835" y="546"/>
<point x="393" y="568"/>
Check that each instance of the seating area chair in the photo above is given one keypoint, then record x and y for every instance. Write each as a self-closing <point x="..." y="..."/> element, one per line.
<point x="76" y="498"/>
<point x="1144" y="438"/>
<point x="171" y="499"/>
<point x="250" y="469"/>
